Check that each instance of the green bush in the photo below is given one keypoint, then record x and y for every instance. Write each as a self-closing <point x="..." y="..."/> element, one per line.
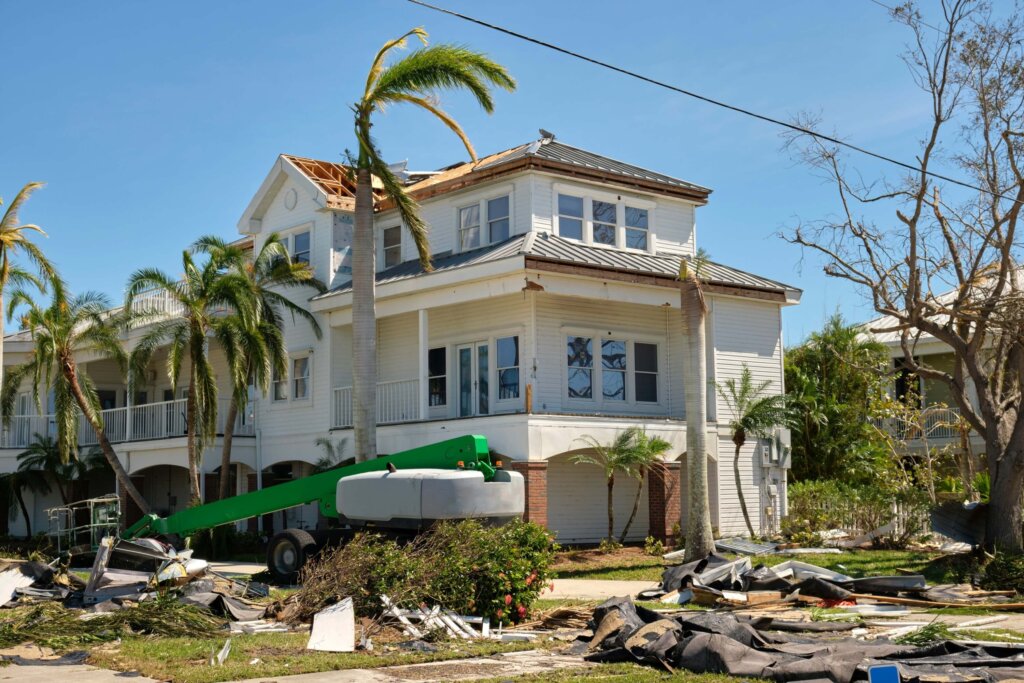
<point x="1004" y="572"/>
<point x="653" y="547"/>
<point x="466" y="567"/>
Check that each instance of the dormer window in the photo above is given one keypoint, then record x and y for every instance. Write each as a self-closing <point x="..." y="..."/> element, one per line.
<point x="604" y="219"/>
<point x="392" y="246"/>
<point x="636" y="228"/>
<point x="604" y="222"/>
<point x="570" y="217"/>
<point x="486" y="222"/>
<point x="469" y="227"/>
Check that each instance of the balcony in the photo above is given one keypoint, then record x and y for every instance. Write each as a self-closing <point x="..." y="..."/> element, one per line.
<point x="164" y="420"/>
<point x="396" y="402"/>
<point x="936" y="423"/>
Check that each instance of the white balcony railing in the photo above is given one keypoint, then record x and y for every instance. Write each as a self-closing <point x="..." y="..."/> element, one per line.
<point x="157" y="302"/>
<point x="396" y="402"/>
<point x="164" y="420"/>
<point x="935" y="423"/>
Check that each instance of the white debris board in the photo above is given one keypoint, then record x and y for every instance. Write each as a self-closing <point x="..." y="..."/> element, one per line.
<point x="334" y="628"/>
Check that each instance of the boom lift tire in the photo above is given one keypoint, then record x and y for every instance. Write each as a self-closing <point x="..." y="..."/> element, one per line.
<point x="288" y="552"/>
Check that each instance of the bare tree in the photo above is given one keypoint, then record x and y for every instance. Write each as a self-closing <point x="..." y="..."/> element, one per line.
<point x="938" y="257"/>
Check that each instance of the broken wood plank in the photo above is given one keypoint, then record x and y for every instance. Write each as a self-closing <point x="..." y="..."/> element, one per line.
<point x="911" y="602"/>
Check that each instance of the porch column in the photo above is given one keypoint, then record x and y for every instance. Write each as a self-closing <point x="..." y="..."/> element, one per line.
<point x="424" y="367"/>
<point x="535" y="477"/>
<point x="128" y="412"/>
<point x="663" y="500"/>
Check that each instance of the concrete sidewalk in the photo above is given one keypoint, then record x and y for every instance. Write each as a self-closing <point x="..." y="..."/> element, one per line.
<point x="237" y="568"/>
<point x="596" y="589"/>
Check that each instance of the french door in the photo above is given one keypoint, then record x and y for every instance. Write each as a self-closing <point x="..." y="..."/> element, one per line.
<point x="474" y="372"/>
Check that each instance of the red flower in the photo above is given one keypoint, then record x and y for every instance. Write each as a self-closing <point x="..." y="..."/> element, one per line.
<point x="508" y="599"/>
<point x="500" y="613"/>
<point x="522" y="611"/>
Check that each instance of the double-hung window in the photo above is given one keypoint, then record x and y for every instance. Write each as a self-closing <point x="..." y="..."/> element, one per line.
<point x="603" y="221"/>
<point x="437" y="376"/>
<point x="570" y="217"/>
<point x="497" y="219"/>
<point x="469" y="227"/>
<point x="300" y="247"/>
<point x="613" y="370"/>
<point x="580" y="359"/>
<point x="300" y="378"/>
<point x="392" y="246"/>
<point x="636" y="228"/>
<point x="508" y="367"/>
<point x="280" y="388"/>
<point x="645" y="372"/>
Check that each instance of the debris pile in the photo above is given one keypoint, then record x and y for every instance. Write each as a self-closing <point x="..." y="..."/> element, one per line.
<point x="780" y="650"/>
<point x="719" y="581"/>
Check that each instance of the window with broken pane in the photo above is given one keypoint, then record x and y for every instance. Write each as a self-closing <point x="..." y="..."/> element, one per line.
<point x="613" y="370"/>
<point x="580" y="358"/>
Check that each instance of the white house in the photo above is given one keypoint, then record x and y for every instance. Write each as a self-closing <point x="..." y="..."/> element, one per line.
<point x="552" y="312"/>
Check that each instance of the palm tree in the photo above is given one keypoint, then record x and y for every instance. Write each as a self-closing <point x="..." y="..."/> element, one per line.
<point x="207" y="292"/>
<point x="617" y="457"/>
<point x="415" y="79"/>
<point x="257" y="352"/>
<point x="43" y="455"/>
<point x="17" y="483"/>
<point x="66" y="326"/>
<point x="752" y="413"/>
<point x="14" y="240"/>
<point x="699" y="537"/>
<point x="647" y="452"/>
<point x="333" y="455"/>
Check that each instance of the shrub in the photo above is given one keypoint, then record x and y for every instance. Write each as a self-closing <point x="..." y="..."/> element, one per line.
<point x="653" y="546"/>
<point x="1004" y="572"/>
<point x="467" y="567"/>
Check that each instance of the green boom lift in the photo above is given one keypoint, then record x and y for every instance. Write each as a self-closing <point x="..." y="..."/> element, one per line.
<point x="453" y="479"/>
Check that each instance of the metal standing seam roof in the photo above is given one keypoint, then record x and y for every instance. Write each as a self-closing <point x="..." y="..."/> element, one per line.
<point x="567" y="154"/>
<point x="560" y="250"/>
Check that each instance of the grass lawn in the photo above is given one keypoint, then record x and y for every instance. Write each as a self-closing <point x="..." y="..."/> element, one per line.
<point x="623" y="673"/>
<point x="632" y="564"/>
<point x="186" y="660"/>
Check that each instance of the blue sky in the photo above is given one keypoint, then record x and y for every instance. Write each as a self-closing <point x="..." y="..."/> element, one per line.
<point x="154" y="123"/>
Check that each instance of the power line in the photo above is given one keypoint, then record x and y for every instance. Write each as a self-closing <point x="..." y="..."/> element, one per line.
<point x="710" y="100"/>
<point x="892" y="10"/>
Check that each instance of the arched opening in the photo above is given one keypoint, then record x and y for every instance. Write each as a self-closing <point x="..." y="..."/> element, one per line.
<point x="165" y="488"/>
<point x="299" y="517"/>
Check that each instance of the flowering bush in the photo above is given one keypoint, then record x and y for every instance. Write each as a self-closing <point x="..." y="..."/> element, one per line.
<point x="467" y="567"/>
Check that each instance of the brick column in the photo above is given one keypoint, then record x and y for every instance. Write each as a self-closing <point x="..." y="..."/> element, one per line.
<point x="663" y="500"/>
<point x="535" y="475"/>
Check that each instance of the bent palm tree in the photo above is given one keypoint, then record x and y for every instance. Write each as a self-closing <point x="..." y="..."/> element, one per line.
<point x="415" y="79"/>
<point x="699" y="537"/>
<point x="207" y="292"/>
<point x="256" y="352"/>
<point x="753" y="413"/>
<point x="17" y="483"/>
<point x="617" y="457"/>
<point x="69" y="325"/>
<point x="14" y="240"/>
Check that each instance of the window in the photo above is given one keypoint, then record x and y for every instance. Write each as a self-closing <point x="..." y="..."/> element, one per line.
<point x="280" y="390"/>
<point x="437" y="376"/>
<point x="579" y="352"/>
<point x="300" y="247"/>
<point x="300" y="378"/>
<point x="603" y="221"/>
<point x="508" y="367"/>
<point x="613" y="370"/>
<point x="645" y="374"/>
<point x="497" y="219"/>
<point x="392" y="246"/>
<point x="469" y="227"/>
<point x="636" y="228"/>
<point x="570" y="217"/>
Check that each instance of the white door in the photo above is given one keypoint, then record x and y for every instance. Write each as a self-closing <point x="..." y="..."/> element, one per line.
<point x="474" y="372"/>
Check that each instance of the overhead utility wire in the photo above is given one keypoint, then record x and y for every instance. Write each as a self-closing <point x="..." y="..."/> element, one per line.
<point x="710" y="100"/>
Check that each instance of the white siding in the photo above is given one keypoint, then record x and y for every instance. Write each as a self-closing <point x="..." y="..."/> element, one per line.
<point x="746" y="333"/>
<point x="674" y="227"/>
<point x="578" y="503"/>
<point x="560" y="316"/>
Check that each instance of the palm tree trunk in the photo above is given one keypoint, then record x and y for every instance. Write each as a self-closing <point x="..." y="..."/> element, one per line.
<point x="611" y="509"/>
<point x="2" y="309"/>
<point x="739" y="488"/>
<point x="225" y="454"/>
<point x="24" y="509"/>
<point x="191" y="416"/>
<point x="364" y="323"/>
<point x="101" y="435"/>
<point x="636" y="506"/>
<point x="699" y="537"/>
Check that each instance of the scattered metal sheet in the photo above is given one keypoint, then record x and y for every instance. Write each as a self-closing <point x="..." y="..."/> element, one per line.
<point x="802" y="570"/>
<point x="745" y="546"/>
<point x="10" y="581"/>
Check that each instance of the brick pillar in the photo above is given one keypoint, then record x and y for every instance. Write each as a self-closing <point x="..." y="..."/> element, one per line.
<point x="663" y="500"/>
<point x="535" y="475"/>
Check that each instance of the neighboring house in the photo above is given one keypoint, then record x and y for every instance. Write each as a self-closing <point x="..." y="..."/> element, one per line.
<point x="552" y="311"/>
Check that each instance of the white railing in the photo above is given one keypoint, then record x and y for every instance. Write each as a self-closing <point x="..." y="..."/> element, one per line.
<point x="397" y="401"/>
<point x="157" y="302"/>
<point x="164" y="420"/>
<point x="935" y="423"/>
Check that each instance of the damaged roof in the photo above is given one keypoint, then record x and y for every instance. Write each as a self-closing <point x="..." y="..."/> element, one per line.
<point x="542" y="247"/>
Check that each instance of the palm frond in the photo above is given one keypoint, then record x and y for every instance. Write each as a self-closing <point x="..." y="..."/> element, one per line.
<point x="11" y="219"/>
<point x="378" y="61"/>
<point x="408" y="208"/>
